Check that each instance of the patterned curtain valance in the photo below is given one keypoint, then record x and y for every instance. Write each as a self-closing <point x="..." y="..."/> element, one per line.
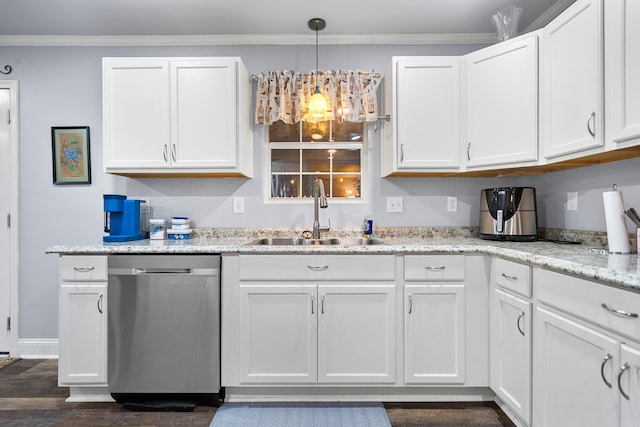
<point x="283" y="95"/>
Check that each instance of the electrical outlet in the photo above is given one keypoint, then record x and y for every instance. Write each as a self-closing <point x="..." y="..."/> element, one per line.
<point x="452" y="204"/>
<point x="394" y="204"/>
<point x="572" y="201"/>
<point x="238" y="205"/>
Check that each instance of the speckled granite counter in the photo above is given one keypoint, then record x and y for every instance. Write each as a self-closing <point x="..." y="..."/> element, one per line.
<point x="587" y="261"/>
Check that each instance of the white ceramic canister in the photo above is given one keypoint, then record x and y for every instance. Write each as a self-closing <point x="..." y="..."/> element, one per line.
<point x="157" y="229"/>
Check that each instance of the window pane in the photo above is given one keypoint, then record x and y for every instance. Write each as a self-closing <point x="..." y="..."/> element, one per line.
<point x="315" y="132"/>
<point x="348" y="131"/>
<point x="307" y="184"/>
<point x="346" y="160"/>
<point x="285" y="160"/>
<point x="285" y="185"/>
<point x="315" y="161"/>
<point x="282" y="132"/>
<point x="346" y="185"/>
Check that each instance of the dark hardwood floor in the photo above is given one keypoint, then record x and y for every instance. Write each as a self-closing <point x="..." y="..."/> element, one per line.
<point x="30" y="396"/>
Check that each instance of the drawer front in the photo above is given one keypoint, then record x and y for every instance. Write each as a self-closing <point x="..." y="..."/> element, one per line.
<point x="584" y="299"/>
<point x="317" y="267"/>
<point x="427" y="268"/>
<point x="83" y="268"/>
<point x="513" y="276"/>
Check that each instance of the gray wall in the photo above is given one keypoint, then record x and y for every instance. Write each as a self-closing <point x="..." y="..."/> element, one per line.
<point x="61" y="86"/>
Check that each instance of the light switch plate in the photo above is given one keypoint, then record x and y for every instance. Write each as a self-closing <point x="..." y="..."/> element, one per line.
<point x="394" y="204"/>
<point x="238" y="205"/>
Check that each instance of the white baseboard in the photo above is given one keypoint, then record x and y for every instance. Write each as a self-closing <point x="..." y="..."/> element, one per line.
<point x="37" y="349"/>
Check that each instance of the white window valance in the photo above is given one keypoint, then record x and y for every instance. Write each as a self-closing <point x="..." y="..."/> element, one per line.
<point x="283" y="95"/>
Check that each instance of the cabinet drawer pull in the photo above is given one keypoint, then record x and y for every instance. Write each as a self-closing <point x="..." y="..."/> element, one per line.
<point x="401" y="153"/>
<point x="322" y="308"/>
<point x="468" y="151"/>
<point x="604" y="362"/>
<point x="624" y="368"/>
<point x="410" y="303"/>
<point x="173" y="152"/>
<point x="432" y="268"/>
<point x="591" y="119"/>
<point x="100" y="303"/>
<point x="318" y="267"/>
<point x="518" y="323"/>
<point x="313" y="300"/>
<point x="620" y="312"/>
<point x="83" y="269"/>
<point x="164" y="153"/>
<point x="506" y="276"/>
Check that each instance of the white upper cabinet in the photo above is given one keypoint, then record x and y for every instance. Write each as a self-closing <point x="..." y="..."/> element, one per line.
<point x="622" y="73"/>
<point x="422" y="97"/>
<point x="502" y="103"/>
<point x="176" y="116"/>
<point x="572" y="80"/>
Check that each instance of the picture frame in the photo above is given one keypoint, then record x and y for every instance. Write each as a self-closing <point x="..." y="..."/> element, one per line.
<point x="71" y="155"/>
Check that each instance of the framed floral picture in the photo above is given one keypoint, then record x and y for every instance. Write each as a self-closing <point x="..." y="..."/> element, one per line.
<point x="71" y="155"/>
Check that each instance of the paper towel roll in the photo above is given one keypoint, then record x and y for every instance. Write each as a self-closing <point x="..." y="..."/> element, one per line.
<point x="616" y="225"/>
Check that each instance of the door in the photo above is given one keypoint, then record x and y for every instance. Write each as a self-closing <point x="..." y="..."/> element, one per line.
<point x="83" y="329"/>
<point x="356" y="334"/>
<point x="427" y="114"/>
<point x="8" y="234"/>
<point x="575" y="372"/>
<point x="434" y="334"/>
<point x="136" y="113"/>
<point x="204" y="110"/>
<point x="502" y="103"/>
<point x="510" y="347"/>
<point x="572" y="80"/>
<point x="278" y="334"/>
<point x="629" y="384"/>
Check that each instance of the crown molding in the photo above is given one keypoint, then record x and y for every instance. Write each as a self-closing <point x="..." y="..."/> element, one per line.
<point x="248" y="39"/>
<point x="548" y="15"/>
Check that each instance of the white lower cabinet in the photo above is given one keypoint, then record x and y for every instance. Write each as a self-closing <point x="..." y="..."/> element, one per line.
<point x="586" y="353"/>
<point x="316" y="326"/>
<point x="434" y="343"/>
<point x="83" y="321"/>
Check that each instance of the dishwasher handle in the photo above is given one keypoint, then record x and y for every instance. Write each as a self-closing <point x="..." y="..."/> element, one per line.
<point x="137" y="271"/>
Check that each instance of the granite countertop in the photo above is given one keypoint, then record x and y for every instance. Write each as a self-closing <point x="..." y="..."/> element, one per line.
<point x="587" y="260"/>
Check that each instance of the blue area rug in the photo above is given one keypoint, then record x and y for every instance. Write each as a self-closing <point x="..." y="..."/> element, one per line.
<point x="301" y="414"/>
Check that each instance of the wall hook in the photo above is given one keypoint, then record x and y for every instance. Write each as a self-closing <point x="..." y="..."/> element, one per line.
<point x="377" y="127"/>
<point x="7" y="69"/>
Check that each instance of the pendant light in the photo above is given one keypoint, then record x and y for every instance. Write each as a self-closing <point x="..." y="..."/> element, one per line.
<point x="317" y="102"/>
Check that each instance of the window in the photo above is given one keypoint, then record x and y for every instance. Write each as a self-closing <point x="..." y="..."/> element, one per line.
<point x="299" y="153"/>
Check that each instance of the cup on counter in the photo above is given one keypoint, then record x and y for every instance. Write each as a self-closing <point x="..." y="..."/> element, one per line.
<point x="157" y="229"/>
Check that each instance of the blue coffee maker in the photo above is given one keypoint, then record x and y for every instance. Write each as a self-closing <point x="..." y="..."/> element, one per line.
<point x="121" y="218"/>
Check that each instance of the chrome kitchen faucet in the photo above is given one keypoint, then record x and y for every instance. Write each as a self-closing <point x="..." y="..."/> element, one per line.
<point x="319" y="201"/>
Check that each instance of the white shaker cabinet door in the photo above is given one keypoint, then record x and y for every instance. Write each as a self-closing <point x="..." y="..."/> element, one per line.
<point x="434" y="334"/>
<point x="622" y="73"/>
<point x="83" y="334"/>
<point x="575" y="371"/>
<point x="629" y="384"/>
<point x="278" y="334"/>
<point x="205" y="105"/>
<point x="136" y="111"/>
<point x="423" y="101"/>
<point x="356" y="333"/>
<point x="510" y="349"/>
<point x="502" y="103"/>
<point x="572" y="80"/>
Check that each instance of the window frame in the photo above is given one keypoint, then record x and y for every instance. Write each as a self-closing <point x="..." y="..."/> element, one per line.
<point x="364" y="172"/>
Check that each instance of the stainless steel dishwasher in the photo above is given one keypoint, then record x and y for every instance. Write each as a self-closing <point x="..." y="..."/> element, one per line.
<point x="164" y="328"/>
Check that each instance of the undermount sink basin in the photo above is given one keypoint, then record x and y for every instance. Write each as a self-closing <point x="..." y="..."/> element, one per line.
<point x="348" y="241"/>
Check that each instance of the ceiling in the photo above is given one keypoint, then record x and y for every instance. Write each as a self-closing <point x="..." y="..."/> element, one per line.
<point x="381" y="21"/>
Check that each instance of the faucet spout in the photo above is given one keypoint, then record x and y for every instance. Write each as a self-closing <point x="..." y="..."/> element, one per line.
<point x="319" y="201"/>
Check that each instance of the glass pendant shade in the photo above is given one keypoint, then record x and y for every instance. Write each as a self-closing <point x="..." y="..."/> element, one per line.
<point x="317" y="104"/>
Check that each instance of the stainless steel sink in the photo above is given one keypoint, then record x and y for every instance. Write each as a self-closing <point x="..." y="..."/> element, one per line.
<point x="348" y="241"/>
